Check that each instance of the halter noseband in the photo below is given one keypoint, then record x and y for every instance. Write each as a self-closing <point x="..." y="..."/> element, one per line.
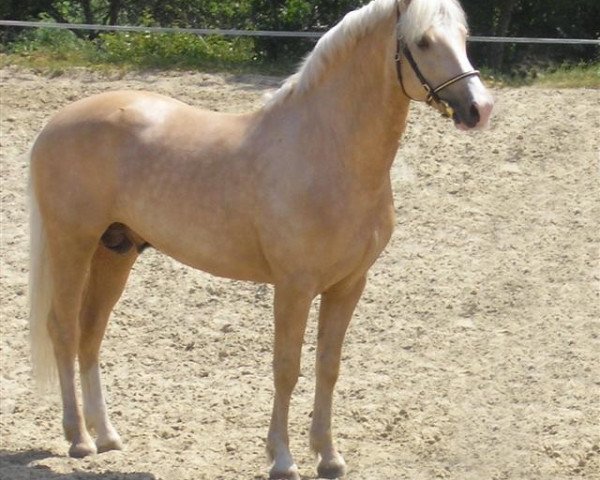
<point x="432" y="98"/>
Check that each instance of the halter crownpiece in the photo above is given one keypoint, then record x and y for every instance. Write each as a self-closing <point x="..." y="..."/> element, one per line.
<point x="432" y="98"/>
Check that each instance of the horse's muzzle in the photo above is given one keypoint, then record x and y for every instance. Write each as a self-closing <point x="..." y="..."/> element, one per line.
<point x="475" y="115"/>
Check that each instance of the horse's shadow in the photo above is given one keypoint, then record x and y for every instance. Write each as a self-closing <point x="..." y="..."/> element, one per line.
<point x="16" y="465"/>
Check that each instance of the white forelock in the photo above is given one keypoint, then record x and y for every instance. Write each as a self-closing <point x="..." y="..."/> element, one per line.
<point x="423" y="14"/>
<point x="416" y="18"/>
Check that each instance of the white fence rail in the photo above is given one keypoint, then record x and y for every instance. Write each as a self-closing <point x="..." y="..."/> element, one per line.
<point x="267" y="33"/>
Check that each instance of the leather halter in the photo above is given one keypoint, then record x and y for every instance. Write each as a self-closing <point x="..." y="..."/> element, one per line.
<point x="432" y="98"/>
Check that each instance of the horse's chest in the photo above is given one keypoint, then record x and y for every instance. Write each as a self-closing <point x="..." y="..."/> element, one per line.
<point x="351" y="244"/>
<point x="365" y="242"/>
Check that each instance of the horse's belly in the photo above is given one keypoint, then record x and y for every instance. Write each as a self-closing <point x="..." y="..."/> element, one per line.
<point x="203" y="239"/>
<point x="221" y="257"/>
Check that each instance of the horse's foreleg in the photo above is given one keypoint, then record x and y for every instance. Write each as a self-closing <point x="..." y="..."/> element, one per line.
<point x="291" y="311"/>
<point x="108" y="275"/>
<point x="337" y="306"/>
<point x="69" y="265"/>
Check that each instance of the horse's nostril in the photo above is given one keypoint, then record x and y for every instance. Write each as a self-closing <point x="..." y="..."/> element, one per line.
<point x="474" y="113"/>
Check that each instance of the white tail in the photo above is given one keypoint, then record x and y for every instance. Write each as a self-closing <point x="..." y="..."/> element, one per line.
<point x="40" y="291"/>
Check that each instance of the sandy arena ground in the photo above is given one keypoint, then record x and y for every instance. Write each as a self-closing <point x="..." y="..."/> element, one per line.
<point x="474" y="354"/>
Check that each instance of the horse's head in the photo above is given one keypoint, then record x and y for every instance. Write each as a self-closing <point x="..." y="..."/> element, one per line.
<point x="432" y="62"/>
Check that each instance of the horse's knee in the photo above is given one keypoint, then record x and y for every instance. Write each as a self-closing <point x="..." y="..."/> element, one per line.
<point x="328" y="369"/>
<point x="286" y="377"/>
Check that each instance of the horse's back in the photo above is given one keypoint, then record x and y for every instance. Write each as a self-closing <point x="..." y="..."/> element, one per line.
<point x="95" y="122"/>
<point x="108" y="113"/>
<point x="115" y="119"/>
<point x="94" y="138"/>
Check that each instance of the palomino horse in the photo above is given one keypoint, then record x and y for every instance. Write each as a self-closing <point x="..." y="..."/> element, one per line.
<point x="296" y="194"/>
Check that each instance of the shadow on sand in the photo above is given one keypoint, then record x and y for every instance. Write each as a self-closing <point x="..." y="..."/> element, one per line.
<point x="16" y="466"/>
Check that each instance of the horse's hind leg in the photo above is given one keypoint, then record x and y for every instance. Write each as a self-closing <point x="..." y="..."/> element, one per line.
<point x="69" y="260"/>
<point x="108" y="274"/>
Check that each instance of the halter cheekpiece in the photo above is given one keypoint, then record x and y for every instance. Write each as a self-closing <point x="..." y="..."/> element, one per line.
<point x="432" y="98"/>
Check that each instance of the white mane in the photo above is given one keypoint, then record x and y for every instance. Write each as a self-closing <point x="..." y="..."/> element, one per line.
<point x="416" y="18"/>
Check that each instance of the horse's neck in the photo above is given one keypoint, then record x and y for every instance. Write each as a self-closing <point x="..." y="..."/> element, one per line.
<point x="359" y="103"/>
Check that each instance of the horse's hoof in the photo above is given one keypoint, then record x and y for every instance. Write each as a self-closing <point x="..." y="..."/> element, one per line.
<point x="290" y="473"/>
<point x="334" y="469"/>
<point x="82" y="449"/>
<point x="107" y="444"/>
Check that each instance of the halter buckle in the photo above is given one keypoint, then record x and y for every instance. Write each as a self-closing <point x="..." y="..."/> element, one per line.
<point x="444" y="108"/>
<point x="433" y="100"/>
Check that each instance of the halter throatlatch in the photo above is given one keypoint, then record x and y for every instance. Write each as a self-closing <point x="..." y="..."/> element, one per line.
<point x="432" y="98"/>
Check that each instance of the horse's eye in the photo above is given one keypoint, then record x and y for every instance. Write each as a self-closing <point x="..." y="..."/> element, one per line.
<point x="423" y="43"/>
